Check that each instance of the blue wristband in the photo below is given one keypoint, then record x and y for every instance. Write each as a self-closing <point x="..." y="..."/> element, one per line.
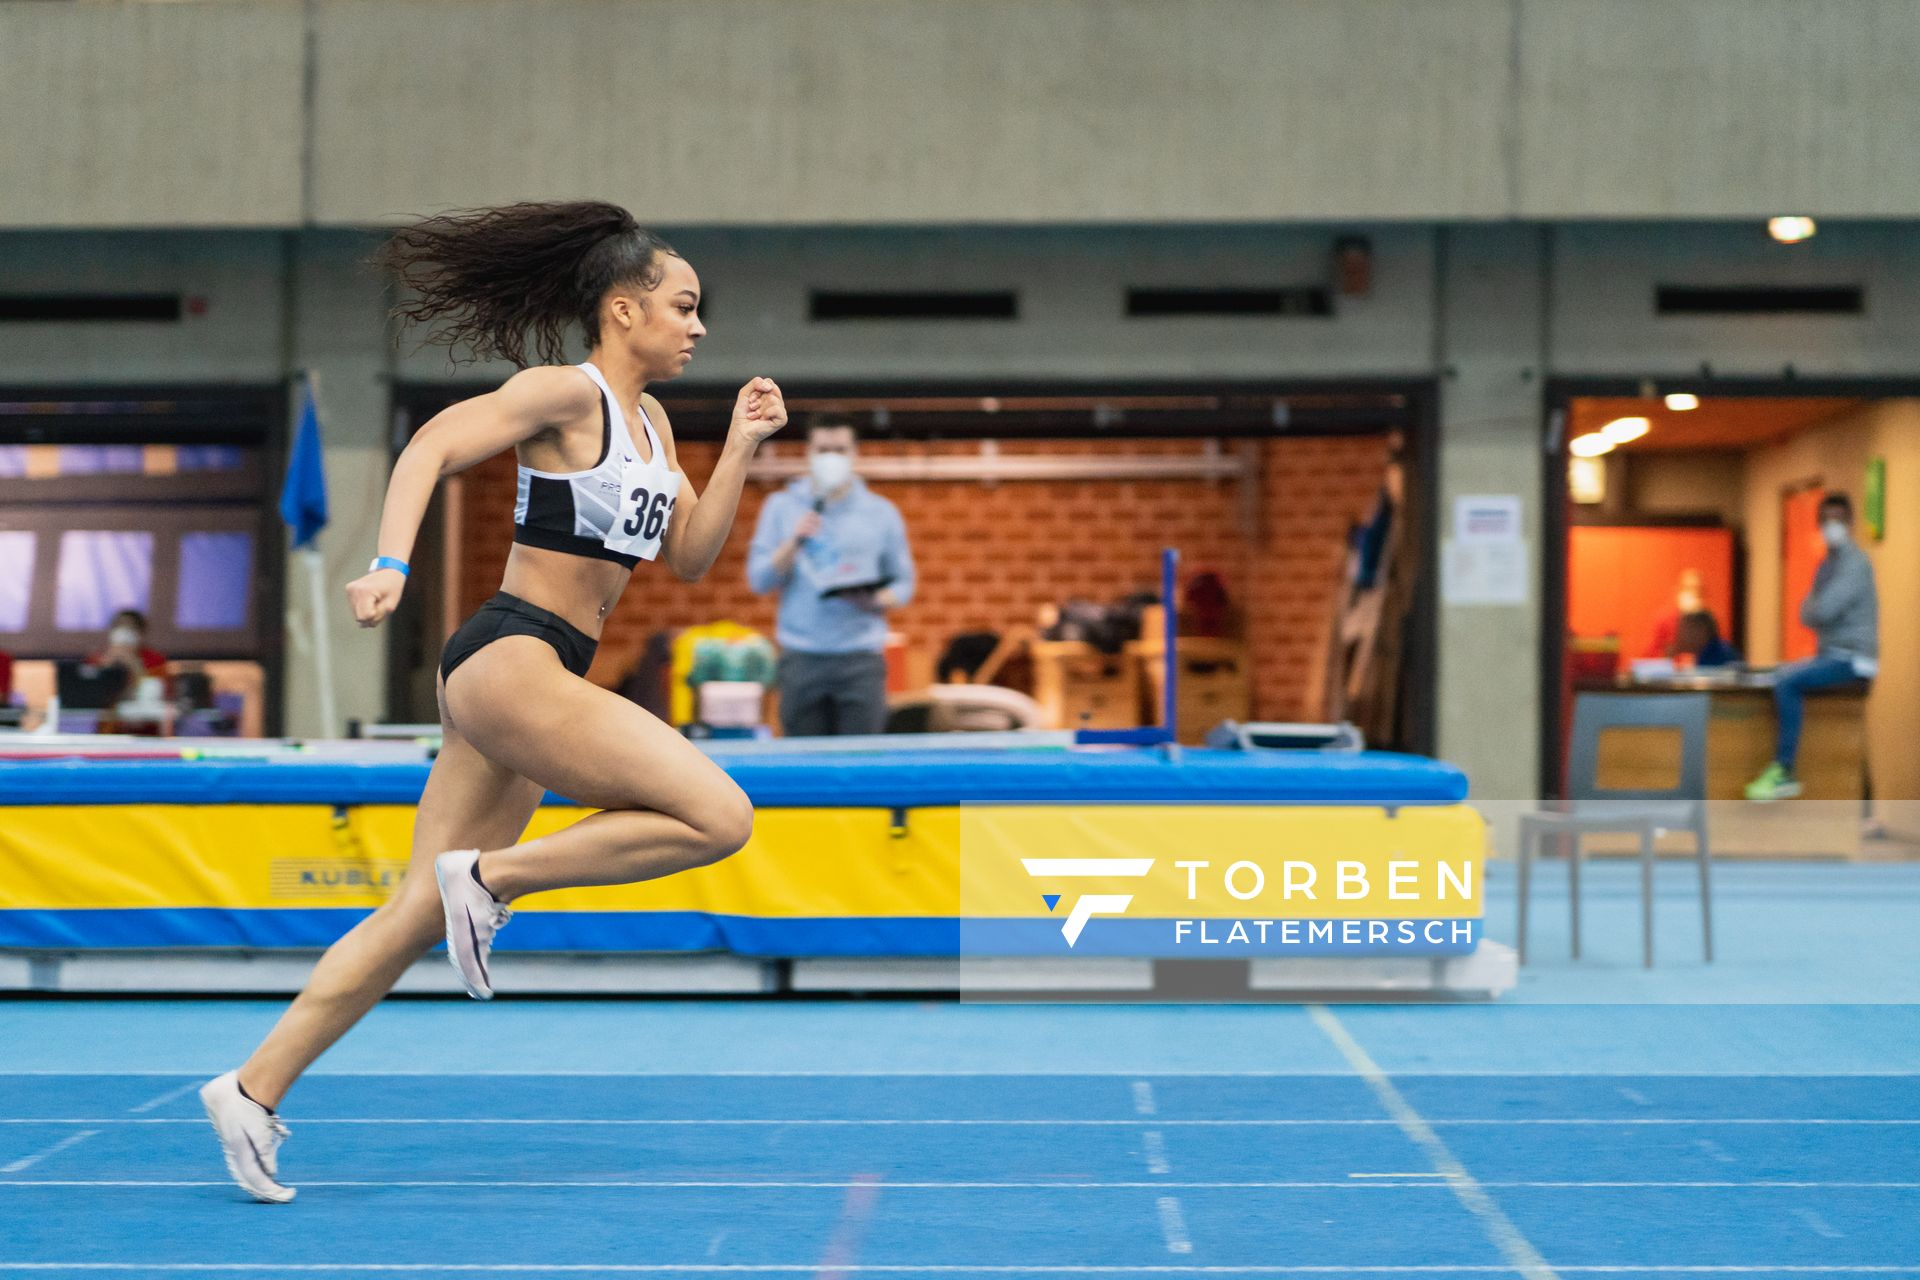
<point x="388" y="562"/>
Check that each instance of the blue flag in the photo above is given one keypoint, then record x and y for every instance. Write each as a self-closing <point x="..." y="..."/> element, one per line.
<point x="303" y="498"/>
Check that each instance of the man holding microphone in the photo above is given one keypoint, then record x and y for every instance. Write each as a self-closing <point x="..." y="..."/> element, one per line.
<point x="837" y="554"/>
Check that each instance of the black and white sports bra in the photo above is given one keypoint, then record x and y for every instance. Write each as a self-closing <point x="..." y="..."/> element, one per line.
<point x="616" y="510"/>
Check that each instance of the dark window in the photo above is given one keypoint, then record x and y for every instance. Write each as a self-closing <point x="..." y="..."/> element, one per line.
<point x="1759" y="300"/>
<point x="66" y="308"/>
<point x="216" y="581"/>
<point x="829" y="305"/>
<point x="1229" y="302"/>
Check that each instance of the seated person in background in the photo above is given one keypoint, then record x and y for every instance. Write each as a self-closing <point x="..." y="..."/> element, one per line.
<point x="1698" y="634"/>
<point x="1686" y="599"/>
<point x="127" y="649"/>
<point x="1843" y="608"/>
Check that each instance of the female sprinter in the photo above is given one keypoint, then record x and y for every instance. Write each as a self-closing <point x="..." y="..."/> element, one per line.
<point x="600" y="490"/>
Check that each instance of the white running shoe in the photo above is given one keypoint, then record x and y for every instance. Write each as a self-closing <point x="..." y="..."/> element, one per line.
<point x="250" y="1137"/>
<point x="473" y="917"/>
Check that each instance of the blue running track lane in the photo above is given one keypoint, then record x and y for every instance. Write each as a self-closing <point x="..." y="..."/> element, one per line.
<point x="532" y="1139"/>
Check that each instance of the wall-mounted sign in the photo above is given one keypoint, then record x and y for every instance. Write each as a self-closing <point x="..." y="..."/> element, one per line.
<point x="1876" y="504"/>
<point x="1485" y="561"/>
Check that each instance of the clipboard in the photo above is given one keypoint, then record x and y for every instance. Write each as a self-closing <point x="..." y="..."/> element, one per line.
<point x="856" y="588"/>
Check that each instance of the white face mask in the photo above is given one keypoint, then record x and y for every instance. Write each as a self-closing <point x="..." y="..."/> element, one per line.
<point x="123" y="636"/>
<point x="1834" y="533"/>
<point x="1689" y="602"/>
<point x="829" y="470"/>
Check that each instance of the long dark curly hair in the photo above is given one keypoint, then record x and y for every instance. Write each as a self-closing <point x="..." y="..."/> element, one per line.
<point x="495" y="281"/>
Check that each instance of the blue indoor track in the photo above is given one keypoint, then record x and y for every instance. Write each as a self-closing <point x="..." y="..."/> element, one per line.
<point x="690" y="1139"/>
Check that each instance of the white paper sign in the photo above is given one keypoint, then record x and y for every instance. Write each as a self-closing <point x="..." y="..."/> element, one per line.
<point x="1485" y="561"/>
<point x="1487" y="517"/>
<point x="1483" y="572"/>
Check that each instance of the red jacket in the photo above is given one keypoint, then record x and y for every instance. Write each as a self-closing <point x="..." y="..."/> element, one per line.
<point x="154" y="662"/>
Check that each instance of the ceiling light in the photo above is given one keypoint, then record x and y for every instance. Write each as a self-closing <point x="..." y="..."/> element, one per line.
<point x="1587" y="481"/>
<point x="1591" y="445"/>
<point x="1791" y="230"/>
<point x="1621" y="430"/>
<point x="1681" y="401"/>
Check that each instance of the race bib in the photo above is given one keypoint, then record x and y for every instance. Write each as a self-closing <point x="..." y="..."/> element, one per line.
<point x="647" y="495"/>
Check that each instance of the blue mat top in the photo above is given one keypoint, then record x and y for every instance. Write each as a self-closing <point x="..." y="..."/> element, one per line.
<point x="905" y="779"/>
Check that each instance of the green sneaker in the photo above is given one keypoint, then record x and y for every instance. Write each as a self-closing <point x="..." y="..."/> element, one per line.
<point x="1774" y="783"/>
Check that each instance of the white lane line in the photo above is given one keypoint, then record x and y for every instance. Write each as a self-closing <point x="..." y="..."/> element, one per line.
<point x="1403" y="1175"/>
<point x="1154" y="1145"/>
<point x="1155" y="1122"/>
<point x="1173" y="1225"/>
<point x="983" y="1071"/>
<point x="161" y="1101"/>
<point x="1414" y="1182"/>
<point x="1143" y="1104"/>
<point x="1506" y="1237"/>
<point x="776" y="1268"/>
<point x="27" y="1162"/>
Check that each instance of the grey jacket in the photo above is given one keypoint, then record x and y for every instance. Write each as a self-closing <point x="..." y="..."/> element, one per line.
<point x="1843" y="608"/>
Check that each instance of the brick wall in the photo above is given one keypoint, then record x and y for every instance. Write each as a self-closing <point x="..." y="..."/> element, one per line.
<point x="988" y="557"/>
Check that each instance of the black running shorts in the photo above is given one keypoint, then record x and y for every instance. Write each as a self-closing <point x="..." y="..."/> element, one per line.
<point x="506" y="615"/>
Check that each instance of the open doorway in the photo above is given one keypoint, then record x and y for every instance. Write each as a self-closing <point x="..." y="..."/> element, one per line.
<point x="1684" y="535"/>
<point x="1020" y="497"/>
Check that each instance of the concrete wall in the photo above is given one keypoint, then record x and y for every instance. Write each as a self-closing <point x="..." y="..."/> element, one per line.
<point x="1716" y="108"/>
<point x="1492" y="348"/>
<point x="151" y="115"/>
<point x="337" y="331"/>
<point x="1072" y="291"/>
<point x="873" y="112"/>
<point x="1603" y="321"/>
<point x="877" y="111"/>
<point x="240" y="338"/>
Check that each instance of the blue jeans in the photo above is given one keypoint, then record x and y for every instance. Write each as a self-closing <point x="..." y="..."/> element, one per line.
<point x="1790" y="686"/>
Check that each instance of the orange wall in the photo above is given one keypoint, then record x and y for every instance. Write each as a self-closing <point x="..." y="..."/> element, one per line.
<point x="1623" y="580"/>
<point x="1801" y="551"/>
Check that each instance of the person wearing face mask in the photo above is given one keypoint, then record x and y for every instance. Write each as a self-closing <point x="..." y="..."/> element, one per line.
<point x="837" y="553"/>
<point x="1687" y="598"/>
<point x="1843" y="608"/>
<point x="127" y="648"/>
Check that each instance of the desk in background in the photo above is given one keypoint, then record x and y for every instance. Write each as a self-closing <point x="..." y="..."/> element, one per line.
<point x="239" y="679"/>
<point x="1825" y="822"/>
